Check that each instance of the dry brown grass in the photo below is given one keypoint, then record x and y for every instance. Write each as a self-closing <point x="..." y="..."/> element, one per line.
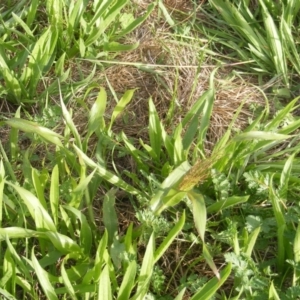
<point x="176" y="74"/>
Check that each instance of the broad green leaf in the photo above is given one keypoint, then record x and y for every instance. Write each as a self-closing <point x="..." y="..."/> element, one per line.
<point x="207" y="111"/>
<point x="2" y="180"/>
<point x="100" y="256"/>
<point x="261" y="135"/>
<point x="43" y="278"/>
<point x="178" y="145"/>
<point x="251" y="241"/>
<point x="31" y="15"/>
<point x="284" y="178"/>
<point x="223" y="204"/>
<point x="181" y="294"/>
<point x="39" y="214"/>
<point x="117" y="47"/>
<point x="6" y="294"/>
<point x="55" y="12"/>
<point x="209" y="260"/>
<point x="171" y="181"/>
<point x="61" y="242"/>
<point x="110" y="218"/>
<point x="211" y="287"/>
<point x="273" y="295"/>
<point x="128" y="282"/>
<point x="39" y="187"/>
<point x="17" y="259"/>
<point x="169" y="238"/>
<point x="297" y="245"/>
<point x="166" y="14"/>
<point x="85" y="230"/>
<point x="14" y="137"/>
<point x="281" y="225"/>
<point x="69" y="121"/>
<point x="105" y="174"/>
<point x="60" y="64"/>
<point x="96" y="116"/>
<point x="104" y="288"/>
<point x="23" y="25"/>
<point x="9" y="272"/>
<point x="54" y="193"/>
<point x="172" y="198"/>
<point x="146" y="270"/>
<point x="199" y="212"/>
<point x="67" y="281"/>
<point x="275" y="43"/>
<point x="281" y="115"/>
<point x="31" y="127"/>
<point x="133" y="25"/>
<point x="126" y="98"/>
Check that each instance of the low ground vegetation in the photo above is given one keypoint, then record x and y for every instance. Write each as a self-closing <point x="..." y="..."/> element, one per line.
<point x="149" y="150"/>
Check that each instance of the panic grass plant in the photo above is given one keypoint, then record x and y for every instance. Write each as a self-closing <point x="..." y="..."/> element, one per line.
<point x="56" y="228"/>
<point x="70" y="254"/>
<point x="225" y="217"/>
<point x="262" y="33"/>
<point x="39" y="38"/>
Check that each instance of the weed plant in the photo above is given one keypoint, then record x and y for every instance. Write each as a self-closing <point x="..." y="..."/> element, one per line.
<point x="91" y="212"/>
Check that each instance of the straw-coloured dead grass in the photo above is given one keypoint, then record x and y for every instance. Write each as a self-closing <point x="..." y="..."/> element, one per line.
<point x="168" y="72"/>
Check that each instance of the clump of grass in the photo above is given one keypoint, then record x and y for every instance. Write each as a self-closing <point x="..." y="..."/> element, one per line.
<point x="150" y="174"/>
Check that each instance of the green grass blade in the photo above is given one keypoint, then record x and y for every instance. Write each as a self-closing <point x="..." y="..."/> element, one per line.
<point x="261" y="135"/>
<point x="296" y="250"/>
<point x="39" y="187"/>
<point x="281" y="225"/>
<point x="199" y="212"/>
<point x="146" y="270"/>
<point x="61" y="242"/>
<point x="67" y="281"/>
<point x="105" y="174"/>
<point x="169" y="238"/>
<point x="273" y="295"/>
<point x="166" y="14"/>
<point x="17" y="259"/>
<point x="69" y="121"/>
<point x="96" y="116"/>
<point x="229" y="202"/>
<point x="100" y="256"/>
<point x="39" y="214"/>
<point x="171" y="181"/>
<point x="284" y="178"/>
<point x="180" y="295"/>
<point x="32" y="127"/>
<point x="43" y="278"/>
<point x="23" y="25"/>
<point x="207" y="111"/>
<point x="104" y="289"/>
<point x="6" y="294"/>
<point x="155" y="133"/>
<point x="251" y="241"/>
<point x="31" y="15"/>
<point x="128" y="282"/>
<point x="85" y="230"/>
<point x="110" y="218"/>
<point x="54" y="194"/>
<point x="127" y="97"/>
<point x="275" y="43"/>
<point x="211" y="287"/>
<point x="2" y="180"/>
<point x="133" y="25"/>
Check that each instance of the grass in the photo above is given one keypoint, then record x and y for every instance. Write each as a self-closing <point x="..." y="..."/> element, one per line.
<point x="149" y="150"/>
